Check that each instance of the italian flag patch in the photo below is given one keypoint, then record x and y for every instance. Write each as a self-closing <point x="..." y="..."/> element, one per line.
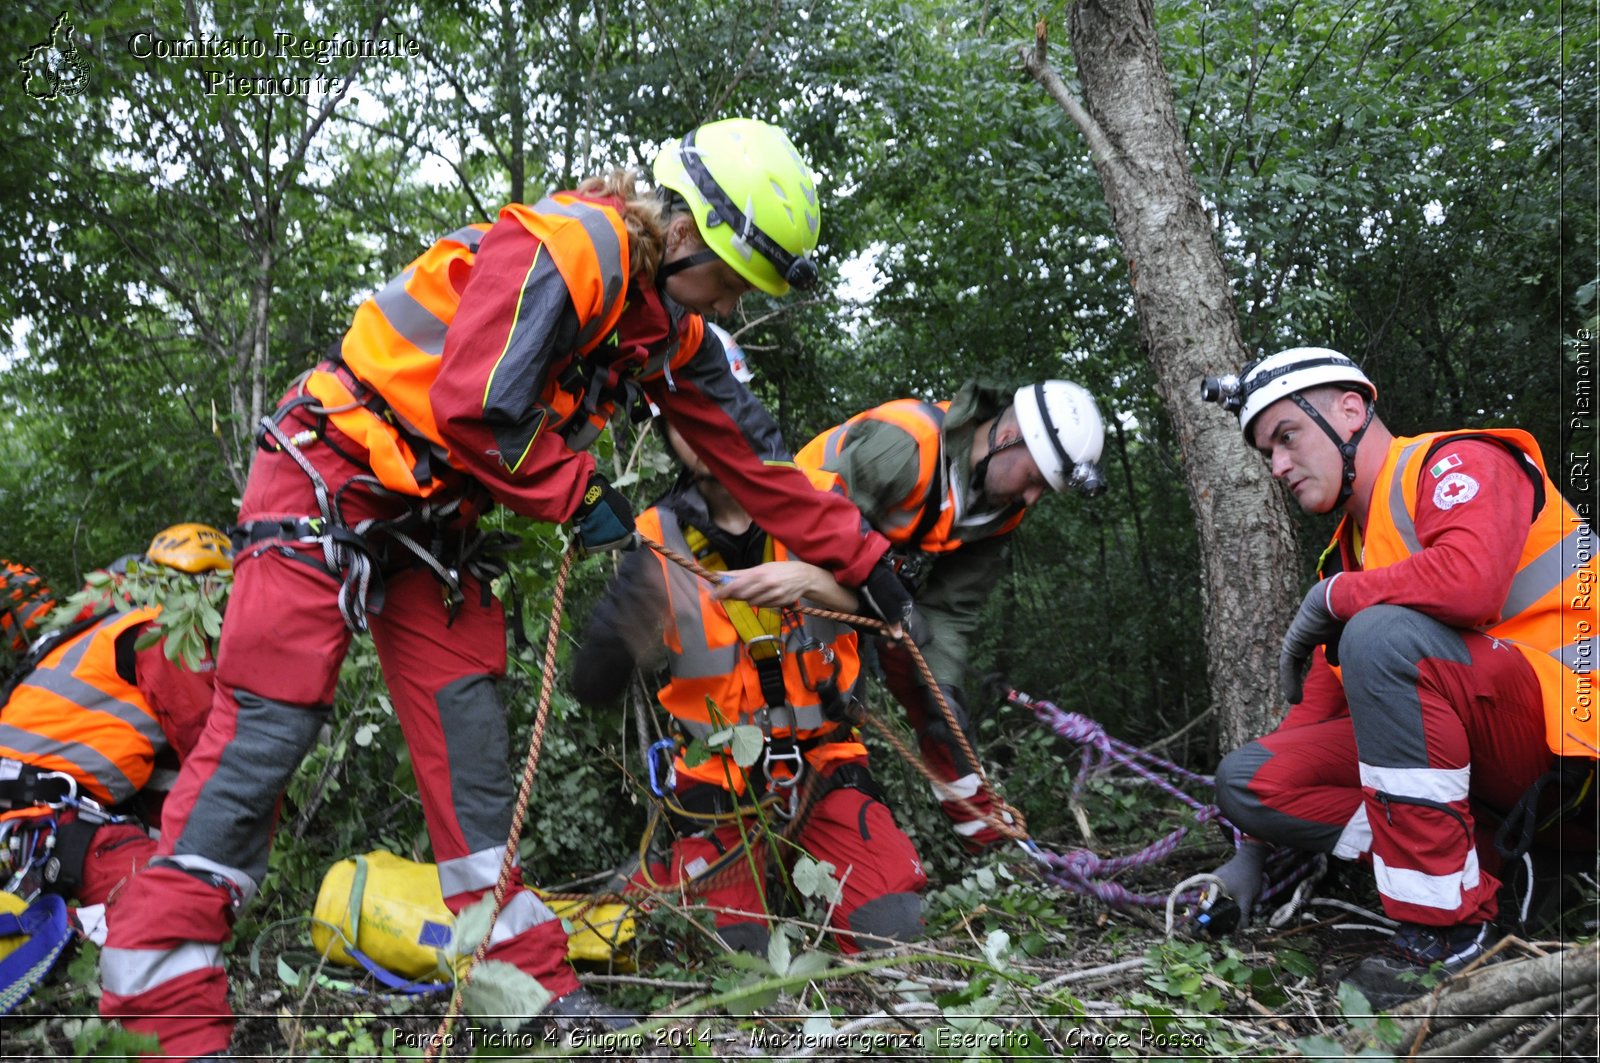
<point x="1444" y="465"/>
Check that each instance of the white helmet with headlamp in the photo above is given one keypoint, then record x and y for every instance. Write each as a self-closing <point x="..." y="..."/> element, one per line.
<point x="1062" y="429"/>
<point x="1287" y="375"/>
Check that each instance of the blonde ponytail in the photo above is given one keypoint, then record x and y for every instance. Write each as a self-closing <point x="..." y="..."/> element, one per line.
<point x="643" y="216"/>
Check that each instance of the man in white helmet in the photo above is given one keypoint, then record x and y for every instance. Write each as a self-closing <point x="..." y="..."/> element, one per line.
<point x="1438" y="641"/>
<point x="946" y="483"/>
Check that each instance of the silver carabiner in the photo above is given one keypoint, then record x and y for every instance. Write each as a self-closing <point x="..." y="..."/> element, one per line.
<point x="72" y="784"/>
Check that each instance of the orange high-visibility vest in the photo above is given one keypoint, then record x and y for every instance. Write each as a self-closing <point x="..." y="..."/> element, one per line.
<point x="924" y="422"/>
<point x="714" y="682"/>
<point x="1549" y="612"/>
<point x="74" y="713"/>
<point x="397" y="339"/>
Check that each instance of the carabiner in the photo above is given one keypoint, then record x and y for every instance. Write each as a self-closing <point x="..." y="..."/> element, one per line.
<point x="72" y="784"/>
<point x="662" y="781"/>
<point x="814" y="655"/>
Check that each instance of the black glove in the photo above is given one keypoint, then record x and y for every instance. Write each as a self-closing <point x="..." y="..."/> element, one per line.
<point x="1241" y="877"/>
<point x="1315" y="625"/>
<point x="885" y="596"/>
<point x="604" y="518"/>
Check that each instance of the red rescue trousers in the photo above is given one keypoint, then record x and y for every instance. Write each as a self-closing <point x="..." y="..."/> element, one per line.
<point x="278" y="662"/>
<point x="1440" y="720"/>
<point x="876" y="863"/>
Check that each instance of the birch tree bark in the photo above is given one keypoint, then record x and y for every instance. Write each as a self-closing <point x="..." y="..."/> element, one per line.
<point x="1189" y="326"/>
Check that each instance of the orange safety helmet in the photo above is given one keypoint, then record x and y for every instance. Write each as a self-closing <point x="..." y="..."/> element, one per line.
<point x="191" y="548"/>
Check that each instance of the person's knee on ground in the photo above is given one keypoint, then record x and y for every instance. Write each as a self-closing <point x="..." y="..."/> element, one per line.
<point x="885" y="920"/>
<point x="1234" y="774"/>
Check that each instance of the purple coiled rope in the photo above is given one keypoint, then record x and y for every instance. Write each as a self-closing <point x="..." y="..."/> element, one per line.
<point x="1082" y="871"/>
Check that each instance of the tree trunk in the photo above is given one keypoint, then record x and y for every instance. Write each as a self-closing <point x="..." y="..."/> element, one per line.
<point x="1190" y="329"/>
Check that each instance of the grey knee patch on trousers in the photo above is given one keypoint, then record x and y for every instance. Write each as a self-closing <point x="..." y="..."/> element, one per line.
<point x="895" y="916"/>
<point x="746" y="937"/>
<point x="1380" y="651"/>
<point x="231" y="821"/>
<point x="476" y="747"/>
<point x="1245" y="810"/>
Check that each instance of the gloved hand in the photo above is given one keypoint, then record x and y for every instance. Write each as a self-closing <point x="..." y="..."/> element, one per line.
<point x="1241" y="877"/>
<point x="604" y="518"/>
<point x="885" y="596"/>
<point x="1315" y="625"/>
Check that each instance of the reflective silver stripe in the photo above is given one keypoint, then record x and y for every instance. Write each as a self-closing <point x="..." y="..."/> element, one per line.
<point x="696" y="659"/>
<point x="1578" y="655"/>
<point x="414" y="322"/>
<point x="1545" y="573"/>
<point x="477" y="871"/>
<point x="1434" y="784"/>
<point x="1397" y="498"/>
<point x="130" y="972"/>
<point x="89" y="762"/>
<point x="608" y="253"/>
<point x="58" y="679"/>
<point x="1443" y="892"/>
<point x="1356" y="837"/>
<point x="246" y="885"/>
<point x="522" y="913"/>
<point x="964" y="788"/>
<point x="583" y="438"/>
<point x="468" y="236"/>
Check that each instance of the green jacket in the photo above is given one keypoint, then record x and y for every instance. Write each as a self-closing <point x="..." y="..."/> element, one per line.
<point x="879" y="465"/>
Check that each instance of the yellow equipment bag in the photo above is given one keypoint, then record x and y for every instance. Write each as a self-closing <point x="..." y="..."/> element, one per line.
<point x="393" y="911"/>
<point x="11" y="904"/>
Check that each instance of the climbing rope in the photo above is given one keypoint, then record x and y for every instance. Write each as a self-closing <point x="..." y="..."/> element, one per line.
<point x="509" y="861"/>
<point x="1082" y="871"/>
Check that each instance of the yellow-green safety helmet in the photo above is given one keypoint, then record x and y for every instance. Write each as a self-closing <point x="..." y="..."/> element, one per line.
<point x="753" y="198"/>
<point x="192" y="548"/>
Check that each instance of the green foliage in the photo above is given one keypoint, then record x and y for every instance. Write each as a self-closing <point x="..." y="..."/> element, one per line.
<point x="1387" y="179"/>
<point x="191" y="606"/>
<point x="96" y="1039"/>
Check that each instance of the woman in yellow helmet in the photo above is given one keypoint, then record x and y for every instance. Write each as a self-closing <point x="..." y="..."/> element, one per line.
<point x="479" y="375"/>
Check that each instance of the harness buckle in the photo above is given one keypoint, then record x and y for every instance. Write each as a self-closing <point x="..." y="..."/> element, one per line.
<point x="782" y="751"/>
<point x="764" y="648"/>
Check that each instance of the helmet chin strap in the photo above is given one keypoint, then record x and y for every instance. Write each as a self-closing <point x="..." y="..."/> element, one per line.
<point x="980" y="471"/>
<point x="699" y="258"/>
<point x="1347" y="448"/>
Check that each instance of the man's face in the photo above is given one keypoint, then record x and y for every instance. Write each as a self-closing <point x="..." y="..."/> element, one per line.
<point x="1013" y="476"/>
<point x="712" y="288"/>
<point x="1301" y="454"/>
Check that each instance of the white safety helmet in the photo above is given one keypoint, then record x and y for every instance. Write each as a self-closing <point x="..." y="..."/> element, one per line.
<point x="1062" y="429"/>
<point x="735" y="353"/>
<point x="1280" y="375"/>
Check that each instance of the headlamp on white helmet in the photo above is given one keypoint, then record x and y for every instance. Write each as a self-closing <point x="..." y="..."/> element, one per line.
<point x="1288" y="375"/>
<point x="1062" y="429"/>
<point x="1277" y="376"/>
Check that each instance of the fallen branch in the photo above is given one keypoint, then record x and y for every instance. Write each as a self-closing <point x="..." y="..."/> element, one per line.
<point x="1497" y="990"/>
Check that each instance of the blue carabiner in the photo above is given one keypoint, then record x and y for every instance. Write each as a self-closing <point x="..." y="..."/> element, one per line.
<point x="662" y="781"/>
